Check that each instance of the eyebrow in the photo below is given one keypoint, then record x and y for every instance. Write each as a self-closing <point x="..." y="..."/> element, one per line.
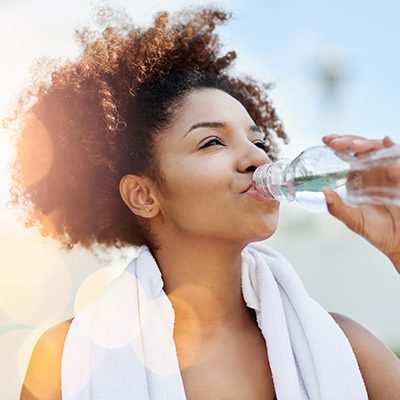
<point x="219" y="125"/>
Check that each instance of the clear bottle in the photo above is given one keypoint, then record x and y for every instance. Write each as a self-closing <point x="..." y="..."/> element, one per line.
<point x="372" y="178"/>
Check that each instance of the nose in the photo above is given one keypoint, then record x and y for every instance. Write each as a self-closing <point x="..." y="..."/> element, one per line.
<point x="253" y="158"/>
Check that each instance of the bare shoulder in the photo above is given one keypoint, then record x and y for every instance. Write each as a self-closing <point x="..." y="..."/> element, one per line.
<point x="43" y="376"/>
<point x="379" y="366"/>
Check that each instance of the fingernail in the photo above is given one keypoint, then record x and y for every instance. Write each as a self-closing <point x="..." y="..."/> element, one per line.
<point x="388" y="141"/>
<point x="330" y="135"/>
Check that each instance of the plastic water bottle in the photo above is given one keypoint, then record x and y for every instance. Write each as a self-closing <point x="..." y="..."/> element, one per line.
<point x="369" y="178"/>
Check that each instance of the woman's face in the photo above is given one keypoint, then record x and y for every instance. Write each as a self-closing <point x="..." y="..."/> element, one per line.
<point x="205" y="182"/>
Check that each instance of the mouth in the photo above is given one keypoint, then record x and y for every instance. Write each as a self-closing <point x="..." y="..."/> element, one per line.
<point x="251" y="191"/>
<point x="248" y="188"/>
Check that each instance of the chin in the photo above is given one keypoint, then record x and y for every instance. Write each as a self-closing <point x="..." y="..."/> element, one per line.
<point x="260" y="234"/>
<point x="265" y="236"/>
<point x="262" y="225"/>
<point x="267" y="229"/>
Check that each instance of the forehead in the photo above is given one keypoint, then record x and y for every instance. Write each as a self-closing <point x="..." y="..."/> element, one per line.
<point x="211" y="105"/>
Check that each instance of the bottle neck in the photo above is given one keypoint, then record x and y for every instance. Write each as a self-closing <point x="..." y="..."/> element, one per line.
<point x="270" y="180"/>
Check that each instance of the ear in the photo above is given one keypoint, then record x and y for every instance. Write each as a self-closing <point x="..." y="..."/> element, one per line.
<point x="137" y="193"/>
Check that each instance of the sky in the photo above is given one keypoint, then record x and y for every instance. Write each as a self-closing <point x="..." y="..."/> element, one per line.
<point x="294" y="38"/>
<point x="290" y="43"/>
<point x="284" y="42"/>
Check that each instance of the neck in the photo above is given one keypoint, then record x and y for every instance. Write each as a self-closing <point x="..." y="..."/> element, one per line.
<point x="203" y="282"/>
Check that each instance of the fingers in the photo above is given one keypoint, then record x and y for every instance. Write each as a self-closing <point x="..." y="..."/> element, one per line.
<point x="350" y="216"/>
<point x="328" y="138"/>
<point x="388" y="142"/>
<point x="356" y="144"/>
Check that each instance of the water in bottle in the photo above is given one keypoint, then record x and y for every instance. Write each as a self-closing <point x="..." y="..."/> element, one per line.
<point x="371" y="178"/>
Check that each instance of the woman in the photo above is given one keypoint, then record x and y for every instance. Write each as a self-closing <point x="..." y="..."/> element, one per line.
<point x="147" y="140"/>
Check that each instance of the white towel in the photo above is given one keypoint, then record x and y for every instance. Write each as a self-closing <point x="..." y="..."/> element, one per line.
<point x="121" y="347"/>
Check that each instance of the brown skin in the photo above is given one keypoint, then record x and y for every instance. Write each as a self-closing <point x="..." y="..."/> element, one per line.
<point x="205" y="185"/>
<point x="93" y="121"/>
<point x="379" y="367"/>
<point x="378" y="224"/>
<point x="203" y="283"/>
<point x="43" y="376"/>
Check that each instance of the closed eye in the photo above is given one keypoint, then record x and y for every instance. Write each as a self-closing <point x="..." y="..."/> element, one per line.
<point x="259" y="144"/>
<point x="210" y="141"/>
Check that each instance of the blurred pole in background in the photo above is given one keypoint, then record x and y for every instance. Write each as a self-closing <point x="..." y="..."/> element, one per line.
<point x="332" y="76"/>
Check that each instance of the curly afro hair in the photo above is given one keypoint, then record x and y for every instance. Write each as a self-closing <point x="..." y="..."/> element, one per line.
<point x="96" y="119"/>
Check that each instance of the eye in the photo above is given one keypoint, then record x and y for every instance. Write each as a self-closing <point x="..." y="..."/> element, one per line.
<point x="262" y="145"/>
<point x="210" y="141"/>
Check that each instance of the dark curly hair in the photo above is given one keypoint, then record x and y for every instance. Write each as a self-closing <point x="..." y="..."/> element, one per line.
<point x="97" y="118"/>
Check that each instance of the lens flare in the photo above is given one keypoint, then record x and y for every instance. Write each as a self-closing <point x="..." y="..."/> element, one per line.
<point x="35" y="151"/>
<point x="35" y="284"/>
<point x="94" y="285"/>
<point x="11" y="379"/>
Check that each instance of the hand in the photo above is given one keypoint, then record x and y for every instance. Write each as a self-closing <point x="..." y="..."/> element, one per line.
<point x="379" y="224"/>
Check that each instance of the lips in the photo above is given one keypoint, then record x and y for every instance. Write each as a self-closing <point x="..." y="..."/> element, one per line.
<point x="248" y="188"/>
<point x="257" y="195"/>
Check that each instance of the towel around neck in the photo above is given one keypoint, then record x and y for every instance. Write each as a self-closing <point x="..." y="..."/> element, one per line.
<point x="121" y="346"/>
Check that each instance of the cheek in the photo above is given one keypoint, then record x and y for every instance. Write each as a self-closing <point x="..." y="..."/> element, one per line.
<point x="200" y="183"/>
<point x="223" y="217"/>
<point x="197" y="207"/>
<point x="203" y="201"/>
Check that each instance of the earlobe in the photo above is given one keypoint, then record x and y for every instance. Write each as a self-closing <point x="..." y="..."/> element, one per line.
<point x="136" y="194"/>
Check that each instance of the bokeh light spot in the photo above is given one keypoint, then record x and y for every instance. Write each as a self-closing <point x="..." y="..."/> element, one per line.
<point x="94" y="285"/>
<point x="35" y="284"/>
<point x="11" y="380"/>
<point x="35" y="152"/>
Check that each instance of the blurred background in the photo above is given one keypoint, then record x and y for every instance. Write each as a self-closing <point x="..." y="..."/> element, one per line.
<point x="335" y="67"/>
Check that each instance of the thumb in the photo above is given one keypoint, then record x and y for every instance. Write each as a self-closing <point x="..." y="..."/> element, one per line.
<point x="350" y="216"/>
